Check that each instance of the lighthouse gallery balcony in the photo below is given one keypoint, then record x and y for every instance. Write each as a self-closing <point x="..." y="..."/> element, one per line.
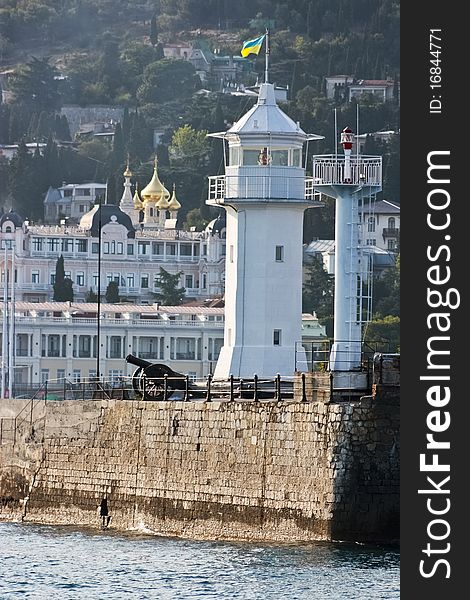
<point x="261" y="187"/>
<point x="329" y="169"/>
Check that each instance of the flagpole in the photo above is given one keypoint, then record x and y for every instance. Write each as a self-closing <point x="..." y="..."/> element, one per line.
<point x="266" y="57"/>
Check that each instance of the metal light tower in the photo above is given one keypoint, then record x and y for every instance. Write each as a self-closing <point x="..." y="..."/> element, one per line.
<point x="347" y="179"/>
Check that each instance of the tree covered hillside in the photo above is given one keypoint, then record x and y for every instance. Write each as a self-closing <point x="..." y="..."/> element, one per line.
<point x="110" y="52"/>
<point x="357" y="36"/>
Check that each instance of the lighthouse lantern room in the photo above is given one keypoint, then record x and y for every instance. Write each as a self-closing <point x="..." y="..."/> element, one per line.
<point x="264" y="192"/>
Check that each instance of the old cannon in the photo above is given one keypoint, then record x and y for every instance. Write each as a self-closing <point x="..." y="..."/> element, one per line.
<point x="156" y="381"/>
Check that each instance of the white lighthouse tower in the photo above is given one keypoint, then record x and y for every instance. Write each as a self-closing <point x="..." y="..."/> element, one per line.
<point x="265" y="193"/>
<point x="349" y="179"/>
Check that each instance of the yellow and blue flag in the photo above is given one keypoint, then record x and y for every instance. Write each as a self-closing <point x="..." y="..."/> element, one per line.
<point x="253" y="46"/>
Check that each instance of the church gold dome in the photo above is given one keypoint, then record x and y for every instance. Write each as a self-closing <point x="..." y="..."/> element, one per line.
<point x="174" y="204"/>
<point x="155" y="191"/>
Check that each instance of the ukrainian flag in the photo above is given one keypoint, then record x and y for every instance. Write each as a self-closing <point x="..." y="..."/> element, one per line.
<point x="252" y="46"/>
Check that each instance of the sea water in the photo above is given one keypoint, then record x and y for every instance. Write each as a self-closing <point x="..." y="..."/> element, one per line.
<point x="65" y="563"/>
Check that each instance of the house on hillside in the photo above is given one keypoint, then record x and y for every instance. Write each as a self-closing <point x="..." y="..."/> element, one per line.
<point x="212" y="67"/>
<point x="348" y="88"/>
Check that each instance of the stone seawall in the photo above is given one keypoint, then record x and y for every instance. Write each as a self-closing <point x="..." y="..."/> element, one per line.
<point x="286" y="471"/>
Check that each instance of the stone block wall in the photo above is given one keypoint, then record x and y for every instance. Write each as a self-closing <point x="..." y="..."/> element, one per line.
<point x="287" y="471"/>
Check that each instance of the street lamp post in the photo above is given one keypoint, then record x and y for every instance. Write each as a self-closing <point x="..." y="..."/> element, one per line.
<point x="5" y="317"/>
<point x="98" y="302"/>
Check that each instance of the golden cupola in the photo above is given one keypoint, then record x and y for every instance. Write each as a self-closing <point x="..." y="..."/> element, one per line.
<point x="136" y="199"/>
<point x="155" y="191"/>
<point x="174" y="205"/>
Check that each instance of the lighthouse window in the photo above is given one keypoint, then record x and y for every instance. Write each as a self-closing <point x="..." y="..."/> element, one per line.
<point x="277" y="337"/>
<point x="234" y="156"/>
<point x="279" y="253"/>
<point x="279" y="158"/>
<point x="296" y="157"/>
<point x="250" y="157"/>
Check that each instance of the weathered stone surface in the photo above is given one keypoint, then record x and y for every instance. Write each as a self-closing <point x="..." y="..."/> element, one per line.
<point x="287" y="471"/>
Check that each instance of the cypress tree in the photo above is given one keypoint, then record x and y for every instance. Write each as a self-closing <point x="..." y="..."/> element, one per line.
<point x="65" y="129"/>
<point x="153" y="31"/>
<point x="171" y="294"/>
<point x="4" y="123"/>
<point x="159" y="53"/>
<point x="126" y="126"/>
<point x="112" y="293"/>
<point x="33" y="127"/>
<point x="22" y="185"/>
<point x="52" y="166"/>
<point x="63" y="287"/>
<point x="44" y="126"/>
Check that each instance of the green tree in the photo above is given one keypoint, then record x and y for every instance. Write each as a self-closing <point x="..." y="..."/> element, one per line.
<point x="140" y="140"/>
<point x="387" y="293"/>
<point x="22" y="184"/>
<point x="194" y="219"/>
<point x="190" y="146"/>
<point x="166" y="80"/>
<point x="91" y="296"/>
<point x="153" y="31"/>
<point x="35" y="85"/>
<point x="4" y="123"/>
<point x="170" y="294"/>
<point x="112" y="293"/>
<point x="159" y="53"/>
<point x="385" y="332"/>
<point x="63" y="287"/>
<point x="318" y="290"/>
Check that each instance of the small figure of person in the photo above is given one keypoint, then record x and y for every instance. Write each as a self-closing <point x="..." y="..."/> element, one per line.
<point x="104" y="513"/>
<point x="263" y="158"/>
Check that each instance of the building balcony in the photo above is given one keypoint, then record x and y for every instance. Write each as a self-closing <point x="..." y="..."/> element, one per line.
<point x="185" y="356"/>
<point x="34" y="287"/>
<point x="329" y="169"/>
<point x="124" y="322"/>
<point x="392" y="232"/>
<point x="149" y="355"/>
<point x="260" y="187"/>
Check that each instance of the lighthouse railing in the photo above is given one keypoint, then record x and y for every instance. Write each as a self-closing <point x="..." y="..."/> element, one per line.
<point x="267" y="187"/>
<point x="329" y="169"/>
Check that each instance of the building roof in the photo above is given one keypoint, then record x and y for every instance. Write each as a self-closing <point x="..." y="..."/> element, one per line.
<point x="320" y="246"/>
<point x="381" y="207"/>
<point x="109" y="213"/>
<point x="216" y="225"/>
<point x="265" y="117"/>
<point x="72" y="186"/>
<point x="53" y="196"/>
<point x="77" y="308"/>
<point x="373" y="82"/>
<point x="12" y="216"/>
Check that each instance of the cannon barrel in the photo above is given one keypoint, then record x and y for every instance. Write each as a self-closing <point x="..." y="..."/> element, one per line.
<point x="138" y="362"/>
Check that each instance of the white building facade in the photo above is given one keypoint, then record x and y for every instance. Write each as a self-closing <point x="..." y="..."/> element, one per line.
<point x="58" y="340"/>
<point x="135" y="239"/>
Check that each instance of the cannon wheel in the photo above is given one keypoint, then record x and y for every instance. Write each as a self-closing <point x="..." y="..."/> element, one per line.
<point x="154" y="388"/>
<point x="136" y="380"/>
